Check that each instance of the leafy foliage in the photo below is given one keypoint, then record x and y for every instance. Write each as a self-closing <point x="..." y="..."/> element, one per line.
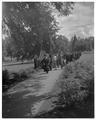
<point x="9" y="79"/>
<point x="32" y="25"/>
<point x="77" y="82"/>
<point x="5" y="76"/>
<point x="81" y="44"/>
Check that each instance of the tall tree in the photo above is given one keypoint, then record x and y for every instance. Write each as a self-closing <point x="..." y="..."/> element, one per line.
<point x="32" y="25"/>
<point x="73" y="43"/>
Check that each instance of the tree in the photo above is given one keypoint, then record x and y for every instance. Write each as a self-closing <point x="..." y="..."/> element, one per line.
<point x="61" y="43"/>
<point x="82" y="44"/>
<point x="32" y="24"/>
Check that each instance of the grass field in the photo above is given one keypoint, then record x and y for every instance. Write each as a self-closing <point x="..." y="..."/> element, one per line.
<point x="87" y="57"/>
<point x="17" y="68"/>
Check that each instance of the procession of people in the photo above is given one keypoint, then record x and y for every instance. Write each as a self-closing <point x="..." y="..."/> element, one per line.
<point x="50" y="62"/>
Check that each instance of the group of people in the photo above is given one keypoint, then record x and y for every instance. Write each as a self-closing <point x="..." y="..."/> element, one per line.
<point x="54" y="61"/>
<point x="49" y="61"/>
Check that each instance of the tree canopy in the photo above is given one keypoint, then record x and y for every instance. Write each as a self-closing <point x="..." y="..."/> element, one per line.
<point x="32" y="25"/>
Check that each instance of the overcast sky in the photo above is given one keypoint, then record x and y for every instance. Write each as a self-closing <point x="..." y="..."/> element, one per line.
<point x="80" y="22"/>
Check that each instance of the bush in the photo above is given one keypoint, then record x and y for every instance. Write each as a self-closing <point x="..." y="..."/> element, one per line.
<point x="23" y="75"/>
<point x="12" y="78"/>
<point x="5" y="76"/>
<point x="76" y="83"/>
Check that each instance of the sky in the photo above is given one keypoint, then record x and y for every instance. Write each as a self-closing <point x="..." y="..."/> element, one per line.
<point x="80" y="22"/>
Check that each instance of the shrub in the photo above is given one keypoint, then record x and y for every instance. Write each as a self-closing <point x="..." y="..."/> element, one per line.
<point x="23" y="75"/>
<point x="5" y="76"/>
<point x="16" y="77"/>
<point x="12" y="78"/>
<point x="76" y="83"/>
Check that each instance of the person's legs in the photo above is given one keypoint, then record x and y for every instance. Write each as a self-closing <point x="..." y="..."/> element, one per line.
<point x="34" y="64"/>
<point x="50" y="66"/>
<point x="57" y="63"/>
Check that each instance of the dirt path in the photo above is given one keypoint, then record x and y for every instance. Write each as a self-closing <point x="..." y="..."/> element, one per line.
<point x="30" y="97"/>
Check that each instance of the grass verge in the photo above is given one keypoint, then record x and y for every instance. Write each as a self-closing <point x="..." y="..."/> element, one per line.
<point x="10" y="79"/>
<point x="76" y="99"/>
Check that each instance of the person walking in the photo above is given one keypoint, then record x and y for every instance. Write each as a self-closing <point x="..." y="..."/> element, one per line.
<point x="35" y="61"/>
<point x="50" y="62"/>
<point x="45" y="63"/>
<point x="55" y="61"/>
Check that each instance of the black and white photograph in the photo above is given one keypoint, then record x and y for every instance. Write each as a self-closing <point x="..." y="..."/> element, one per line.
<point x="47" y="59"/>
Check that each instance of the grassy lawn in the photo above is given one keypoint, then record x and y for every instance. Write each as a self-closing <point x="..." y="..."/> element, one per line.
<point x="17" y="68"/>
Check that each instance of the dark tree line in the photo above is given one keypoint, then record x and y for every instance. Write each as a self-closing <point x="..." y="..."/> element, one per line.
<point x="81" y="44"/>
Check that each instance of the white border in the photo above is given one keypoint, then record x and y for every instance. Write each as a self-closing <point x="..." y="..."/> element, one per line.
<point x="1" y="58"/>
<point x="43" y="1"/>
<point x="48" y="0"/>
<point x="94" y="58"/>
